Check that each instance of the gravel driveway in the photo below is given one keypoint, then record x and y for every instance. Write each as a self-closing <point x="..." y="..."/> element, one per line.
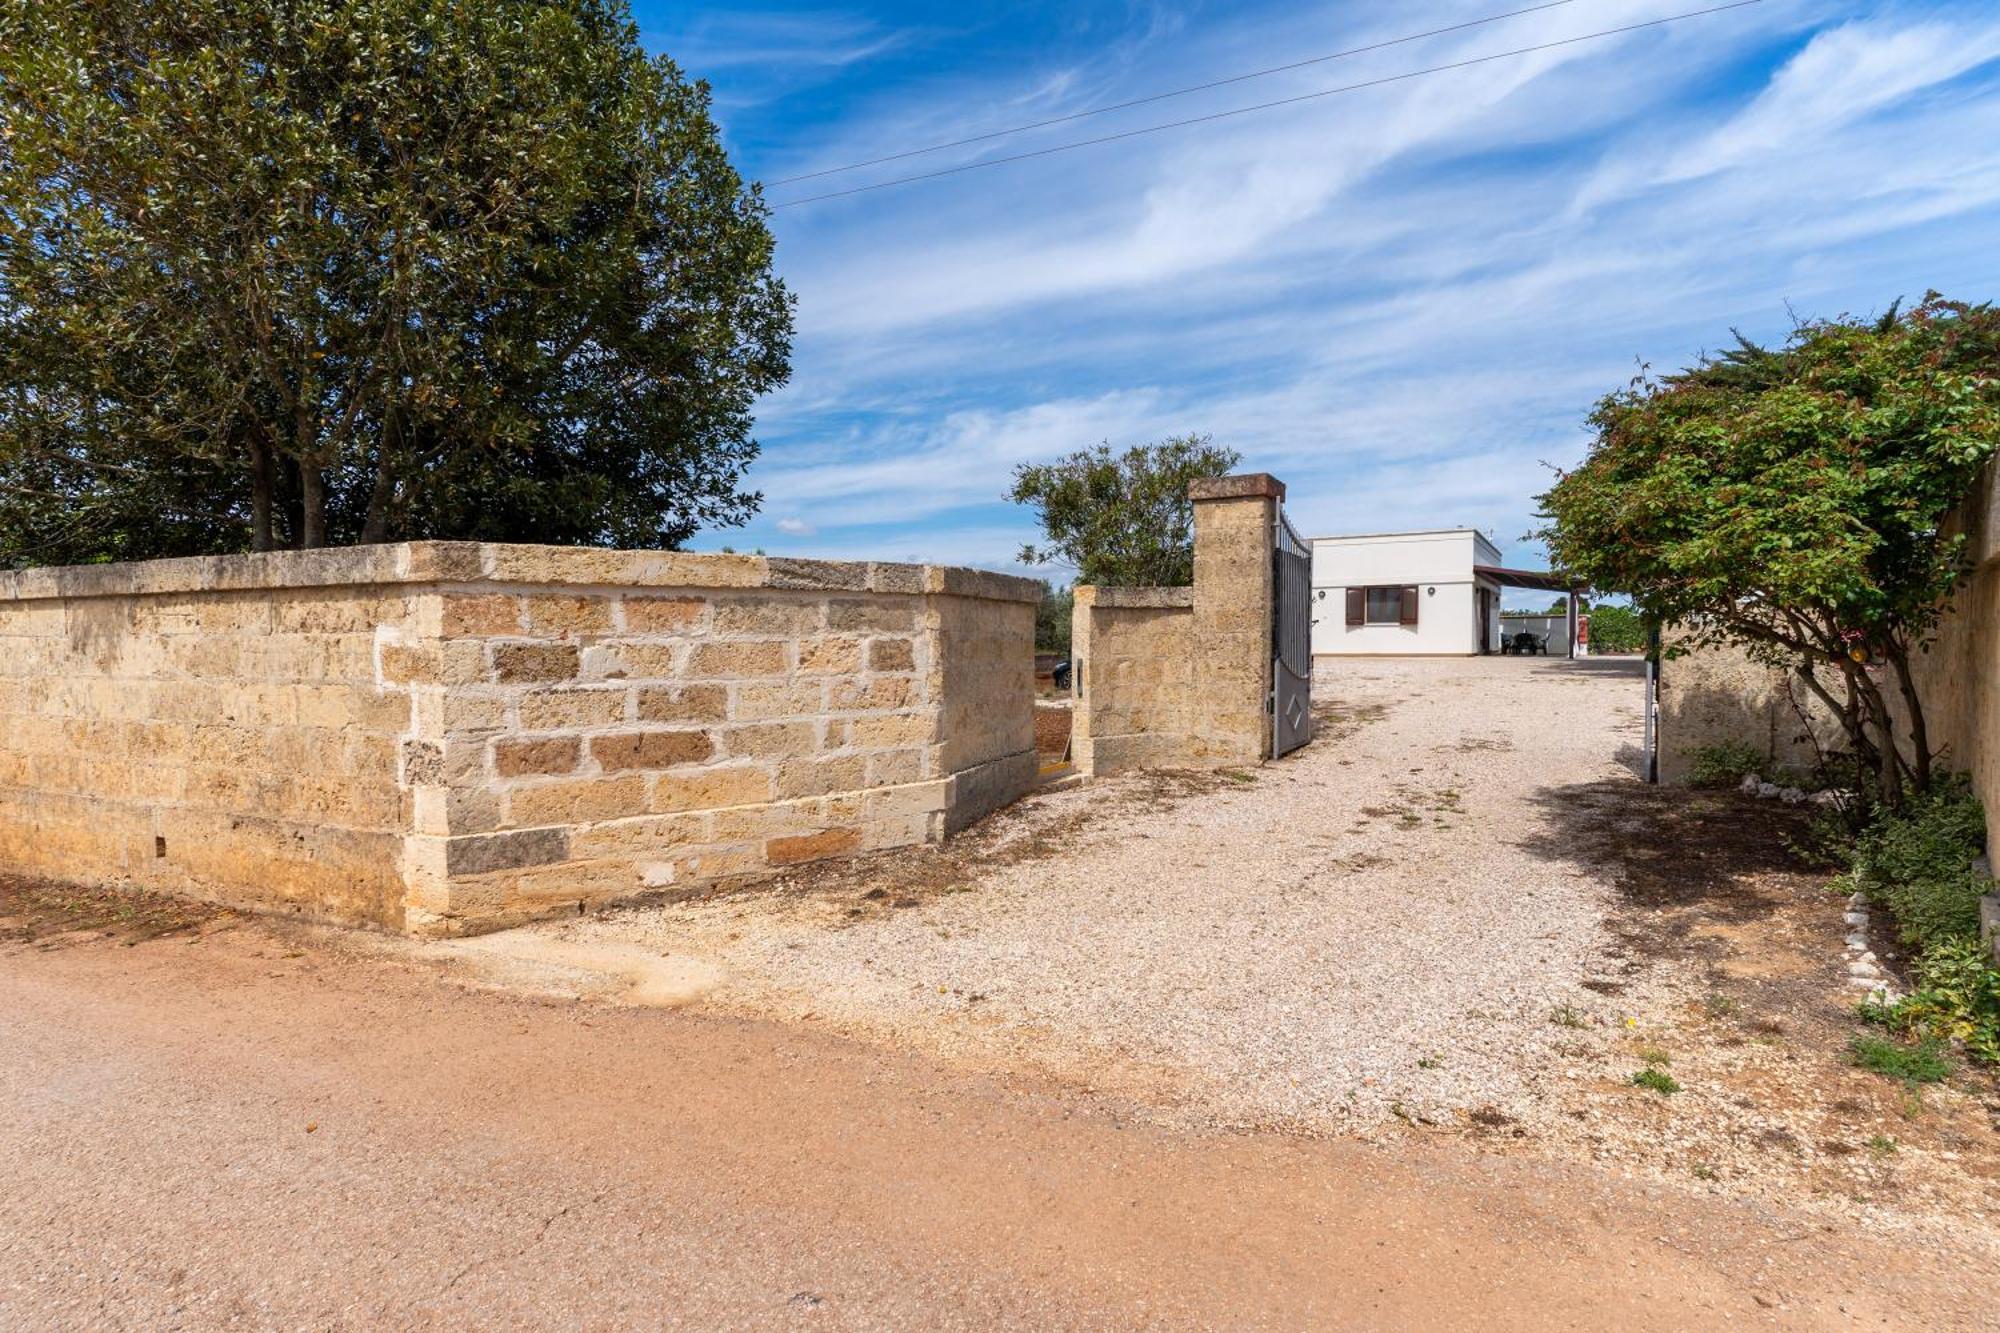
<point x="1358" y="931"/>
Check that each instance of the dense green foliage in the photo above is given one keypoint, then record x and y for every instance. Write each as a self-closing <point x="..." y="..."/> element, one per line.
<point x="1725" y="764"/>
<point x="1957" y="998"/>
<point x="1795" y="501"/>
<point x="1918" y="863"/>
<point x="1052" y="619"/>
<point x="1616" y="629"/>
<point x="319" y="271"/>
<point x="1121" y="520"/>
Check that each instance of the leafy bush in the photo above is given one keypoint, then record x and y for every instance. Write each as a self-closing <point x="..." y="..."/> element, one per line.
<point x="1957" y="999"/>
<point x="1924" y="1062"/>
<point x="1616" y="629"/>
<point x="1725" y="764"/>
<point x="1917" y="862"/>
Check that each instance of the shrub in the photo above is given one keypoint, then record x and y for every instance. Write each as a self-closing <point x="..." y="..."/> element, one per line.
<point x="1658" y="1080"/>
<point x="1957" y="999"/>
<point x="1724" y="764"/>
<point x="1925" y="1062"/>
<point x="1917" y="862"/>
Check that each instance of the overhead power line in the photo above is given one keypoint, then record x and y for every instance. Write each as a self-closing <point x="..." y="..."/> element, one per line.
<point x="1161" y="97"/>
<point x="1263" y="106"/>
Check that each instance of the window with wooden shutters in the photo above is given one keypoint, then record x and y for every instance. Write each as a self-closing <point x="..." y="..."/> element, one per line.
<point x="1409" y="607"/>
<point x="1357" y="606"/>
<point x="1385" y="606"/>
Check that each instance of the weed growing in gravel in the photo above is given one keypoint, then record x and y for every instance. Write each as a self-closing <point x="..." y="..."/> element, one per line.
<point x="1703" y="1171"/>
<point x="1658" y="1080"/>
<point x="1881" y="1145"/>
<point x="1568" y="1016"/>
<point x="1653" y="1055"/>
<point x="1430" y="1062"/>
<point x="1719" y="1006"/>
<point x="1924" y="1062"/>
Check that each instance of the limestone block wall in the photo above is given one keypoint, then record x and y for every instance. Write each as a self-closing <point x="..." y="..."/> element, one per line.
<point x="1712" y="695"/>
<point x="447" y="737"/>
<point x="1133" y="650"/>
<point x="1718" y="694"/>
<point x="1181" y="677"/>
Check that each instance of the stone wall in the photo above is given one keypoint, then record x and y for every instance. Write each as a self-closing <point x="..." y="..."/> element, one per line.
<point x="1134" y="655"/>
<point x="1181" y="677"/>
<point x="447" y="737"/>
<point x="1719" y="695"/>
<point x="1713" y="695"/>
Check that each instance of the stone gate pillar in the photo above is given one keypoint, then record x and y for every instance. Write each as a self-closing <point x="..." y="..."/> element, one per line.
<point x="1235" y="531"/>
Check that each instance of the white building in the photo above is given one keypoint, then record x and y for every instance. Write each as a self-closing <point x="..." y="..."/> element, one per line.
<point x="1433" y="593"/>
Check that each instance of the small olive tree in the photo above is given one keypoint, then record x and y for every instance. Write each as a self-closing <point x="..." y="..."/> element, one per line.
<point x="1795" y="501"/>
<point x="1121" y="519"/>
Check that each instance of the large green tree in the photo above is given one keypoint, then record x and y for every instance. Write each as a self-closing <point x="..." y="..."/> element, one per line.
<point x="1797" y="501"/>
<point x="1120" y="519"/>
<point x="300" y="272"/>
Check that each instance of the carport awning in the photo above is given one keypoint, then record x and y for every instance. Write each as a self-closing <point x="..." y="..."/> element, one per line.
<point x="1527" y="578"/>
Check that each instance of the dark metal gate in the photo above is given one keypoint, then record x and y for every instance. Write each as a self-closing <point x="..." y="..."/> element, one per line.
<point x="1291" y="640"/>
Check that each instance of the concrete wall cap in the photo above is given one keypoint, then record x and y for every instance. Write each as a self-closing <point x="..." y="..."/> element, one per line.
<point x="1140" y="598"/>
<point x="496" y="563"/>
<point x="1242" y="486"/>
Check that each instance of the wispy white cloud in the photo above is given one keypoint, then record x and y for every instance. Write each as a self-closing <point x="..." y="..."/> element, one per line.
<point x="1403" y="302"/>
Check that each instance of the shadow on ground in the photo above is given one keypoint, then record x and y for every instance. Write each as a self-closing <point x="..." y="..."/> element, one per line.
<point x="1683" y="863"/>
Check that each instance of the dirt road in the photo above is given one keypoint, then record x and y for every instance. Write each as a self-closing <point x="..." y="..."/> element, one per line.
<point x="265" y="1127"/>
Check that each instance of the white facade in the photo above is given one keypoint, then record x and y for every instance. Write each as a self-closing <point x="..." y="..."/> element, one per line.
<point x="1454" y="608"/>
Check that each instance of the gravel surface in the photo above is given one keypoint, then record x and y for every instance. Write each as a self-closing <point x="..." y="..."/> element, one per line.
<point x="1372" y="927"/>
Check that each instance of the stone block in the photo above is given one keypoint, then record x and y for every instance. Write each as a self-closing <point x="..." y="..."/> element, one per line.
<point x="487" y="852"/>
<point x="892" y="730"/>
<point x="634" y="661"/>
<point x="485" y="615"/>
<point x="519" y="756"/>
<point x="577" y="800"/>
<point x="796" y="848"/>
<point x="828" y="574"/>
<point x="764" y="617"/>
<point x="710" y="787"/>
<point x="514" y="663"/>
<point x="567" y="617"/>
<point x="663" y="615"/>
<point x="757" y="703"/>
<point x="829" y="657"/>
<point x="883" y="616"/>
<point x="881" y="694"/>
<point x="771" y="740"/>
<point x="819" y="777"/>
<point x="630" y="750"/>
<point x="738" y="659"/>
<point x="683" y="703"/>
<point x="583" y="706"/>
<point x="892" y="655"/>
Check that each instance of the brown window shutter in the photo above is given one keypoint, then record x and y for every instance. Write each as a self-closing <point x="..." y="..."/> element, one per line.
<point x="1409" y="606"/>
<point x="1357" y="606"/>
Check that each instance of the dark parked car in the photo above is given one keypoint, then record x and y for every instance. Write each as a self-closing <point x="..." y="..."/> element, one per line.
<point x="1061" y="674"/>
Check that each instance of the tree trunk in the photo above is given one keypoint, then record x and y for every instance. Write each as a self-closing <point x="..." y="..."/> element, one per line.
<point x="1899" y="657"/>
<point x="312" y="501"/>
<point x="261" y="489"/>
<point x="382" y="496"/>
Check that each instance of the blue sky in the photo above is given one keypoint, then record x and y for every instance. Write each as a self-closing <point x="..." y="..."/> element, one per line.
<point x="1402" y="300"/>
